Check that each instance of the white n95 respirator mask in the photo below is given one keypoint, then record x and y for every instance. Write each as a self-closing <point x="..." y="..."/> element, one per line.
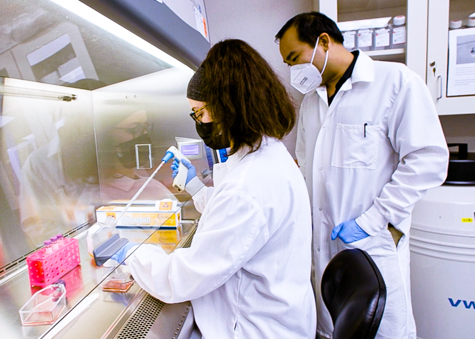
<point x="306" y="77"/>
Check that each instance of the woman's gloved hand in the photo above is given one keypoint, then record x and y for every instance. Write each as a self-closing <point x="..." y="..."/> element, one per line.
<point x="349" y="231"/>
<point x="120" y="255"/>
<point x="191" y="169"/>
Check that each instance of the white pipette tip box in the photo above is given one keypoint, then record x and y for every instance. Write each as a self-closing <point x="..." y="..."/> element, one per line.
<point x="164" y="214"/>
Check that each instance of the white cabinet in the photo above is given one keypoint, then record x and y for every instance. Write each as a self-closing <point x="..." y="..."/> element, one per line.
<point x="351" y="10"/>
<point x="426" y="52"/>
<point x="440" y="13"/>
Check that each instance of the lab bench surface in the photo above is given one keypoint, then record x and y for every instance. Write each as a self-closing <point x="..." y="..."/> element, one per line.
<point x="90" y="312"/>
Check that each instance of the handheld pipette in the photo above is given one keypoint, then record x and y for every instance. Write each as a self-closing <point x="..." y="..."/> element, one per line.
<point x="179" y="181"/>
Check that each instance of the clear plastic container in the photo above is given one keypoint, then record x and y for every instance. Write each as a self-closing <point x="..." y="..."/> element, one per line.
<point x="100" y="232"/>
<point x="470" y="22"/>
<point x="118" y="282"/>
<point x="455" y="24"/>
<point x="59" y="239"/>
<point x="47" y="247"/>
<point x="382" y="38"/>
<point x="398" y="32"/>
<point x="364" y="39"/>
<point x="54" y="243"/>
<point x="44" y="307"/>
<point x="349" y="41"/>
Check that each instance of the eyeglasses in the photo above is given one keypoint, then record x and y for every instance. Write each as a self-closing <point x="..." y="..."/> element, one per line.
<point x="195" y="115"/>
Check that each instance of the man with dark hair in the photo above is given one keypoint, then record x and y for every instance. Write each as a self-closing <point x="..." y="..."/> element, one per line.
<point x="370" y="145"/>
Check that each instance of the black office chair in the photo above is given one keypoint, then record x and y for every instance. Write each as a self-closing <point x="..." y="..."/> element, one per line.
<point x="355" y="294"/>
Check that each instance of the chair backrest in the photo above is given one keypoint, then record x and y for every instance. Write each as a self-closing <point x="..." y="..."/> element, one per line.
<point x="354" y="293"/>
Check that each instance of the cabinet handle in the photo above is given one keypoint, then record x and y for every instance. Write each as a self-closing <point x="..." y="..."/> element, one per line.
<point x="439" y="82"/>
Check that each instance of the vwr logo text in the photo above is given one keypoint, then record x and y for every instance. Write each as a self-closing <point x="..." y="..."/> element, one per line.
<point x="467" y="304"/>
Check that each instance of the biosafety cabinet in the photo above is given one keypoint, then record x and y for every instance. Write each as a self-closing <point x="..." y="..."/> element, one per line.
<point x="92" y="94"/>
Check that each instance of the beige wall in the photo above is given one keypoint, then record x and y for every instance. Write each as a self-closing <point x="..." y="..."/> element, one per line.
<point x="257" y="22"/>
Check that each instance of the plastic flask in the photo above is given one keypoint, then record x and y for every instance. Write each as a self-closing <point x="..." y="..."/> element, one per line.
<point x="455" y="24"/>
<point x="349" y="40"/>
<point x="45" y="306"/>
<point x="382" y="37"/>
<point x="47" y="246"/>
<point x="364" y="39"/>
<point x="398" y="32"/>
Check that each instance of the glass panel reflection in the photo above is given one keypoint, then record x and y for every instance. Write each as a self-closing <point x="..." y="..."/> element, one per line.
<point x="49" y="160"/>
<point x="91" y="119"/>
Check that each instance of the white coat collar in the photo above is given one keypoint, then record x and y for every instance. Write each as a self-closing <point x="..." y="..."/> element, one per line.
<point x="234" y="159"/>
<point x="364" y="69"/>
<point x="221" y="170"/>
<point x="362" y="72"/>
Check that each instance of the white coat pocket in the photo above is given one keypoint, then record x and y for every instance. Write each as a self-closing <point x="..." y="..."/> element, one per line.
<point x="356" y="146"/>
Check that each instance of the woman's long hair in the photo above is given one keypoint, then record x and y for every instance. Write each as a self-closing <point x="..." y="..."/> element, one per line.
<point x="245" y="97"/>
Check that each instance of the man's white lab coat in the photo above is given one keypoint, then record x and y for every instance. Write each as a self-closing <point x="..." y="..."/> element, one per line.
<point x="371" y="155"/>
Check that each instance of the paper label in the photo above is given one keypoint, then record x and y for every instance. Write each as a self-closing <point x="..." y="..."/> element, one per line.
<point x="365" y="38"/>
<point x="200" y="22"/>
<point x="349" y="40"/>
<point x="399" y="35"/>
<point x="381" y="38"/>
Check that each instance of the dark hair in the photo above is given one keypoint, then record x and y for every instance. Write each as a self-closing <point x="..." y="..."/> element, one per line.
<point x="245" y="97"/>
<point x="310" y="26"/>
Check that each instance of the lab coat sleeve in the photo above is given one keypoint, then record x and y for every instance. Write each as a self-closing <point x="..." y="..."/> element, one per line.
<point x="199" y="192"/>
<point x="230" y="232"/>
<point x="417" y="137"/>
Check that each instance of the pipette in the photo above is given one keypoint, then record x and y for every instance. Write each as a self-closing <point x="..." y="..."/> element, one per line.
<point x="115" y="243"/>
<point x="178" y="182"/>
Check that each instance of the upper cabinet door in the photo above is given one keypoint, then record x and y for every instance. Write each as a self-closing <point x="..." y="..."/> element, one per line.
<point x="444" y="59"/>
<point x="451" y="56"/>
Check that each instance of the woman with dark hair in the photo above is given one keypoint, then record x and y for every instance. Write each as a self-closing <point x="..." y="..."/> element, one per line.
<point x="247" y="271"/>
<point x="244" y="97"/>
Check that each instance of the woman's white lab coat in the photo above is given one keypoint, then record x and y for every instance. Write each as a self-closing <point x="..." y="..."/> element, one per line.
<point x="247" y="271"/>
<point x="371" y="155"/>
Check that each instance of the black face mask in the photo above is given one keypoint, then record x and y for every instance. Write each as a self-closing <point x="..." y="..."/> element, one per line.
<point x="127" y="151"/>
<point x="205" y="131"/>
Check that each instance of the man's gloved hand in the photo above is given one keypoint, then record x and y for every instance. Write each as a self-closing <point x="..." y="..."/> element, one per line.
<point x="191" y="169"/>
<point x="349" y="231"/>
<point x="119" y="256"/>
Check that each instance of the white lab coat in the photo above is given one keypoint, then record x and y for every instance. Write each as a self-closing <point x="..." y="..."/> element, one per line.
<point x="247" y="271"/>
<point x="371" y="155"/>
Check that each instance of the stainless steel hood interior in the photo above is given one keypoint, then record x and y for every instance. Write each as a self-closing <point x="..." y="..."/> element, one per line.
<point x="51" y="149"/>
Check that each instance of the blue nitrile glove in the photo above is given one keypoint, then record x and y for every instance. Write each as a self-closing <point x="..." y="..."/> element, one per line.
<point x="349" y="231"/>
<point x="191" y="169"/>
<point x="119" y="256"/>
